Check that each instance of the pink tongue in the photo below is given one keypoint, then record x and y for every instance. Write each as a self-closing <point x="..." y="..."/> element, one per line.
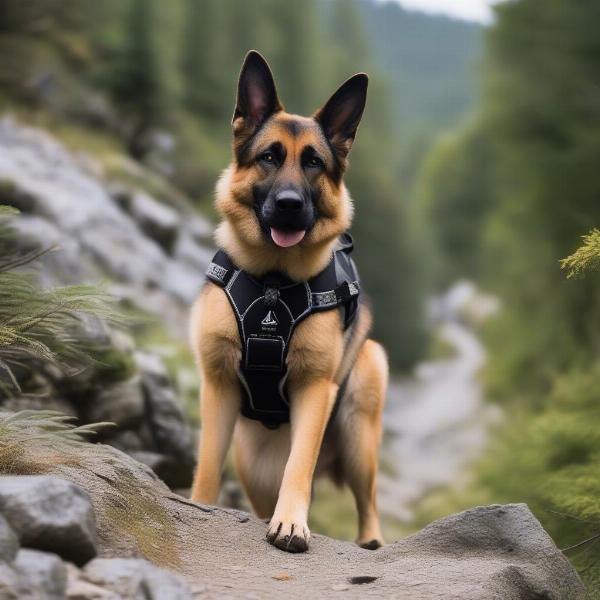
<point x="285" y="239"/>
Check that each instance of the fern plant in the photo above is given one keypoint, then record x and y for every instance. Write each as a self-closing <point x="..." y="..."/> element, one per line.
<point x="39" y="324"/>
<point x="29" y="438"/>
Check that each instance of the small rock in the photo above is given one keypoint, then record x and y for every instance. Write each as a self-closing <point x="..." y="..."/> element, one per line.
<point x="11" y="587"/>
<point x="44" y="573"/>
<point x="9" y="543"/>
<point x="152" y="366"/>
<point x="192" y="253"/>
<point x="172" y="472"/>
<point x="200" y="228"/>
<point x="79" y="589"/>
<point x="121" y="403"/>
<point x="51" y="514"/>
<point x="132" y="578"/>
<point x="83" y="590"/>
<point x="128" y="441"/>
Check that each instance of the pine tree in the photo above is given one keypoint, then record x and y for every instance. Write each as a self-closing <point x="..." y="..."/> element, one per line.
<point x="202" y="59"/>
<point x="135" y="83"/>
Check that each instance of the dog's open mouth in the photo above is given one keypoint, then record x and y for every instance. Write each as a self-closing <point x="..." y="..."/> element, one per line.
<point x="286" y="239"/>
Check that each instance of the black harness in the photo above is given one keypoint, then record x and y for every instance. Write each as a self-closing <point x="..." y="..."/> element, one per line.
<point x="268" y="310"/>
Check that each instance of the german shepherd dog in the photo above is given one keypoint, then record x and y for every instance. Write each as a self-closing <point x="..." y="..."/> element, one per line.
<point x="283" y="206"/>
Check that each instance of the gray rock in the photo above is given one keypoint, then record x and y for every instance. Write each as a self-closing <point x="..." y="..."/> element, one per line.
<point x="201" y="229"/>
<point x="11" y="586"/>
<point x="174" y="473"/>
<point x="188" y="250"/>
<point x="9" y="542"/>
<point x="127" y="440"/>
<point x="165" y="416"/>
<point x="83" y="590"/>
<point x="136" y="579"/>
<point x="35" y="232"/>
<point x="121" y="403"/>
<point x="80" y="589"/>
<point x="152" y="365"/>
<point x="157" y="220"/>
<point x="41" y="402"/>
<point x="51" y="514"/>
<point x="44" y="574"/>
<point x="66" y="199"/>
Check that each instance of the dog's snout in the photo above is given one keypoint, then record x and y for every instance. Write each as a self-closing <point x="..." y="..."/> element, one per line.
<point x="289" y="201"/>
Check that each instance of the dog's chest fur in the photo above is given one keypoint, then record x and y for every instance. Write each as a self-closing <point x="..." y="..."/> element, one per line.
<point x="315" y="349"/>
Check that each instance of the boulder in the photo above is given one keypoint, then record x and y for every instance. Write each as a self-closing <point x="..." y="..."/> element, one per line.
<point x="166" y="419"/>
<point x="498" y="551"/>
<point x="121" y="403"/>
<point x="11" y="586"/>
<point x="9" y="542"/>
<point x="44" y="575"/>
<point x="129" y="578"/>
<point x="51" y="514"/>
<point x="157" y="220"/>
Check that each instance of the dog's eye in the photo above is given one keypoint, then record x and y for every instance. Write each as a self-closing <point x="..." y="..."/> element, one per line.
<point x="315" y="162"/>
<point x="267" y="157"/>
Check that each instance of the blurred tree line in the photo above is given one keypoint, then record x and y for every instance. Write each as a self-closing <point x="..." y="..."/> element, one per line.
<point x="143" y="68"/>
<point x="504" y="200"/>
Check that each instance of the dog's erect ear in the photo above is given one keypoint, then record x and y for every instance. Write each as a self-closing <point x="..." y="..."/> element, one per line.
<point x="256" y="96"/>
<point x="341" y="114"/>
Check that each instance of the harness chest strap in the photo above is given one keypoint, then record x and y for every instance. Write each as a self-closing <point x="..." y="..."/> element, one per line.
<point x="267" y="311"/>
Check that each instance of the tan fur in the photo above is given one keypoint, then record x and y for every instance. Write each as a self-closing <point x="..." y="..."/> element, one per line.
<point x="276" y="467"/>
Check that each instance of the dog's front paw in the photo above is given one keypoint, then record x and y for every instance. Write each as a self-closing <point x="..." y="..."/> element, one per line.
<point x="289" y="535"/>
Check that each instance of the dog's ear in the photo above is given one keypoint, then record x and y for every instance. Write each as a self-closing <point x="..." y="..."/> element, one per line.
<point x="341" y="114"/>
<point x="256" y="96"/>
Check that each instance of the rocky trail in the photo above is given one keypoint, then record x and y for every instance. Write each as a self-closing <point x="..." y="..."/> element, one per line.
<point x="488" y="552"/>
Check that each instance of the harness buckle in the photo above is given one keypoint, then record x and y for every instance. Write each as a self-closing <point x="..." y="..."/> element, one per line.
<point x="347" y="291"/>
<point x="271" y="296"/>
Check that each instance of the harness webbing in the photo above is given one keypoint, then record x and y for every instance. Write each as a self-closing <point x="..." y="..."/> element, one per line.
<point x="267" y="311"/>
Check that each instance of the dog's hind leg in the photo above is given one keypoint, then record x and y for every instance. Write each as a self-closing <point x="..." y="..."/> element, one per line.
<point x="360" y="436"/>
<point x="259" y="456"/>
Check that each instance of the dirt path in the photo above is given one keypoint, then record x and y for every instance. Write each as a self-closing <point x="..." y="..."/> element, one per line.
<point x="436" y="421"/>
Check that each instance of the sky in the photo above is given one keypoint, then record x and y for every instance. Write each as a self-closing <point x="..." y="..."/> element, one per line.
<point x="470" y="10"/>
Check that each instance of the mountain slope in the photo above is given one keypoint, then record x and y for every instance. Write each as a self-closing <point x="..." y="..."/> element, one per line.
<point x="431" y="62"/>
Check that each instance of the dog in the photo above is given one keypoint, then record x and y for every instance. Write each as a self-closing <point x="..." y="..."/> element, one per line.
<point x="284" y="206"/>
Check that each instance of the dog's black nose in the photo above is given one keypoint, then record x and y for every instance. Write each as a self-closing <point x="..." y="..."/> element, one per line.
<point x="289" y="201"/>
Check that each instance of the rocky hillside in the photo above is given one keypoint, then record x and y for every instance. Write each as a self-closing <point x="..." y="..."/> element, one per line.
<point x="154" y="248"/>
<point x="142" y="241"/>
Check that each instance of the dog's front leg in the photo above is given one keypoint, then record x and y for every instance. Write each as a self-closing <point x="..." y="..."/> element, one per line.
<point x="220" y="407"/>
<point x="311" y="407"/>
